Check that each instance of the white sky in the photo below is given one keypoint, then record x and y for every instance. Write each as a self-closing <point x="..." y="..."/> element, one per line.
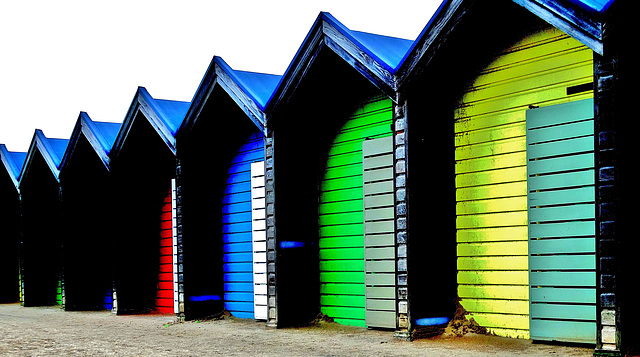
<point x="58" y="58"/>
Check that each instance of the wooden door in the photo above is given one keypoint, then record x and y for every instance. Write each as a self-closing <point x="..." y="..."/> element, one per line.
<point x="379" y="236"/>
<point x="561" y="207"/>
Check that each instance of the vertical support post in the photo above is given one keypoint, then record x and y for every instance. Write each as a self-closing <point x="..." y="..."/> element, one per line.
<point x="177" y="245"/>
<point x="607" y="191"/>
<point x="403" y="327"/>
<point x="61" y="264"/>
<point x="272" y="299"/>
<point x="177" y="295"/>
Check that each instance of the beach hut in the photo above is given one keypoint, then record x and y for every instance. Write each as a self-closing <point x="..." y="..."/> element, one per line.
<point x="222" y="231"/>
<point x="88" y="206"/>
<point x="10" y="217"/>
<point x="143" y="169"/>
<point x="517" y="97"/>
<point x="330" y="181"/>
<point x="41" y="255"/>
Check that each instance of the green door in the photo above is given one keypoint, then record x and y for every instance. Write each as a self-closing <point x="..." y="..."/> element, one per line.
<point x="561" y="209"/>
<point x="341" y="214"/>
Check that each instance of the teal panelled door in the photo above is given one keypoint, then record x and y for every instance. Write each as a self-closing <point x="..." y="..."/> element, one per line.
<point x="561" y="210"/>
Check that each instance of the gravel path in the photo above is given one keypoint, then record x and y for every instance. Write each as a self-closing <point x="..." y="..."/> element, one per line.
<point x="53" y="332"/>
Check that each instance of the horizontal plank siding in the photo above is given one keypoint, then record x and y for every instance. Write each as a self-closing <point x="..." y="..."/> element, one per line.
<point x="164" y="294"/>
<point x="341" y="216"/>
<point x="238" y="230"/>
<point x="491" y="179"/>
<point x="562" y="260"/>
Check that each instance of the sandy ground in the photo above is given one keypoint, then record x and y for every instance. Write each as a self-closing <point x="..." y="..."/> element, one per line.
<point x="53" y="332"/>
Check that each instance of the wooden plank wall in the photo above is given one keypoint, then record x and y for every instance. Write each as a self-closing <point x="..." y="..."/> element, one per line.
<point x="379" y="232"/>
<point x="237" y="230"/>
<point x="259" y="228"/>
<point x="562" y="242"/>
<point x="340" y="214"/>
<point x="164" y="294"/>
<point x="491" y="174"/>
<point x="174" y="242"/>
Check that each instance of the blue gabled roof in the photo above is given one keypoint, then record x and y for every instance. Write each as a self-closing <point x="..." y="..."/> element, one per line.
<point x="100" y="135"/>
<point x="376" y="57"/>
<point x="249" y="90"/>
<point x="13" y="162"/>
<point x="387" y="50"/>
<point x="165" y="116"/>
<point x="106" y="134"/>
<point x="51" y="149"/>
<point x="58" y="147"/>
<point x="594" y="5"/>
<point x="578" y="18"/>
<point x="171" y="112"/>
<point x="259" y="86"/>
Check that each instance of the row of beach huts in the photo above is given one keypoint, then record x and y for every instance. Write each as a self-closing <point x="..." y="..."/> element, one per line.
<point x="484" y="170"/>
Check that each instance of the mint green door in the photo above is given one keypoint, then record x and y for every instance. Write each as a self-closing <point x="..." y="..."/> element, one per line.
<point x="561" y="210"/>
<point x="341" y="214"/>
<point x="379" y="233"/>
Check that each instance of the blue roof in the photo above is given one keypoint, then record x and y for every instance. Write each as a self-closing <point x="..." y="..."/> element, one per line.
<point x="171" y="112"/>
<point x="51" y="149"/>
<point x="559" y="13"/>
<point x="376" y="57"/>
<point x="259" y="86"/>
<point x="58" y="147"/>
<point x="249" y="90"/>
<point x="13" y="162"/>
<point x="100" y="135"/>
<point x="165" y="116"/>
<point x="594" y="5"/>
<point x="18" y="158"/>
<point x="106" y="133"/>
<point x="387" y="50"/>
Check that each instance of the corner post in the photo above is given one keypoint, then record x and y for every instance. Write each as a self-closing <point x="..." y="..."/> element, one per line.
<point x="178" y="269"/>
<point x="272" y="301"/>
<point x="403" y="325"/>
<point x="608" y="219"/>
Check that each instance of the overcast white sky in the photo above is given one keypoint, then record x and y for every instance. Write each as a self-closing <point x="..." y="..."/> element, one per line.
<point x="58" y="58"/>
